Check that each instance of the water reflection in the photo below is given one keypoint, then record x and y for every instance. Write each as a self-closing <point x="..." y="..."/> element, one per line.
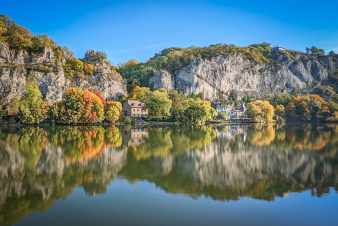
<point x="41" y="165"/>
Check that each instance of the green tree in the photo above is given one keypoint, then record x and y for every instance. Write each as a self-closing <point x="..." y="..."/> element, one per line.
<point x="196" y="112"/>
<point x="32" y="108"/>
<point x="159" y="104"/>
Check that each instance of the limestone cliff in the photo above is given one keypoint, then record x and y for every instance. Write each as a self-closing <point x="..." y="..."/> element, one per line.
<point x="258" y="70"/>
<point x="47" y="67"/>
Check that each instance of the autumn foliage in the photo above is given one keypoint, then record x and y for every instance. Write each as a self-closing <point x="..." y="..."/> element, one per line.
<point x="113" y="111"/>
<point x="261" y="111"/>
<point x="80" y="106"/>
<point x="308" y="108"/>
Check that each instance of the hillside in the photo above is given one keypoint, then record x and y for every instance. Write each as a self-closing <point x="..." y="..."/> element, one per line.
<point x="219" y="70"/>
<point x="25" y="58"/>
<point x="214" y="72"/>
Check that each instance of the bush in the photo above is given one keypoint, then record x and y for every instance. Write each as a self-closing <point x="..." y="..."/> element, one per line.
<point x="80" y="106"/>
<point x="40" y="42"/>
<point x="88" y="69"/>
<point x="73" y="67"/>
<point x="18" y="37"/>
<point x="113" y="111"/>
<point x="32" y="109"/>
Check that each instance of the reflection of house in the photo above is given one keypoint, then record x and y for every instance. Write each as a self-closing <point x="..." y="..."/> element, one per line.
<point x="135" y="109"/>
<point x="137" y="136"/>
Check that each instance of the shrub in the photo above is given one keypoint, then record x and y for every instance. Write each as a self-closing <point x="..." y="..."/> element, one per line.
<point x="88" y="69"/>
<point x="40" y="42"/>
<point x="80" y="106"/>
<point x="18" y="37"/>
<point x="73" y="67"/>
<point x="113" y="111"/>
<point x="32" y="109"/>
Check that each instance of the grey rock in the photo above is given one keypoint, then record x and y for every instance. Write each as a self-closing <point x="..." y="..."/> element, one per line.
<point x="17" y="67"/>
<point x="221" y="75"/>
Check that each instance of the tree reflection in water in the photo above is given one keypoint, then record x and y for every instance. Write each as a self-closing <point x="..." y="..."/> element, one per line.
<point x="41" y="165"/>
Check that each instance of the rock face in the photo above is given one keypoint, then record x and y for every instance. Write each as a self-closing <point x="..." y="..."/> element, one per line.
<point x="223" y="74"/>
<point x="17" y="67"/>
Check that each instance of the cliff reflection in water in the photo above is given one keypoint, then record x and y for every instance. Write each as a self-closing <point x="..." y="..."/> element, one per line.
<point x="41" y="165"/>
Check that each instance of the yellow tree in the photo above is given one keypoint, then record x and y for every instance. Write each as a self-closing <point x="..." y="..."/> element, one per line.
<point x="261" y="111"/>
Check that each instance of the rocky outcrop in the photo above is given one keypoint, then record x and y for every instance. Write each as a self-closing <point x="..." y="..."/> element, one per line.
<point x="236" y="72"/>
<point x="46" y="67"/>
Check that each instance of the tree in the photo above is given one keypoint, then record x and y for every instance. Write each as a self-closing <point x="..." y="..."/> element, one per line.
<point x="261" y="111"/>
<point x="281" y="99"/>
<point x="179" y="103"/>
<point x="310" y="107"/>
<point x="159" y="104"/>
<point x="140" y="93"/>
<point x="113" y="111"/>
<point x="315" y="51"/>
<point x="32" y="108"/>
<point x="280" y="113"/>
<point x="92" y="56"/>
<point x="80" y="106"/>
<point x="196" y="112"/>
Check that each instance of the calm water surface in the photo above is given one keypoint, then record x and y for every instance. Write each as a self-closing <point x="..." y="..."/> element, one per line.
<point x="235" y="175"/>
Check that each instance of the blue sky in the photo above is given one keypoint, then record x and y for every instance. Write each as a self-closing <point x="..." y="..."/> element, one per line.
<point x="138" y="29"/>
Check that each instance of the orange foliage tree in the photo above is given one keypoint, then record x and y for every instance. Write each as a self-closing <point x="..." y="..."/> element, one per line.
<point x="80" y="106"/>
<point x="309" y="107"/>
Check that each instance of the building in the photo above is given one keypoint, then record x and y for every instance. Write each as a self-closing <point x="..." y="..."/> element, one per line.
<point x="135" y="109"/>
<point x="237" y="113"/>
<point x="232" y="112"/>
